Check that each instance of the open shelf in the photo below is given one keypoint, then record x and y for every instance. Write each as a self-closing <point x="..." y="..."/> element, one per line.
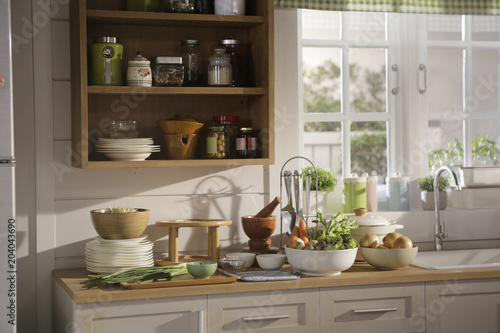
<point x="159" y="34"/>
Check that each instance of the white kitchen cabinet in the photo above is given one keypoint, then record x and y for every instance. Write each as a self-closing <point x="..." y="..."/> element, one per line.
<point x="178" y="314"/>
<point x="463" y="306"/>
<point x="383" y="308"/>
<point x="274" y="311"/>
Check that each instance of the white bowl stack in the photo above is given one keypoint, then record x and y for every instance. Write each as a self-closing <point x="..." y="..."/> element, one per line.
<point x="134" y="149"/>
<point x="108" y="256"/>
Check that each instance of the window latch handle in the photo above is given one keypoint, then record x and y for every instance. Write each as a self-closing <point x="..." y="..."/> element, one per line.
<point x="422" y="68"/>
<point x="395" y="90"/>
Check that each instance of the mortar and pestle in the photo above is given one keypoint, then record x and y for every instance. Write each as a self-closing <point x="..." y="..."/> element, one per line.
<point x="260" y="227"/>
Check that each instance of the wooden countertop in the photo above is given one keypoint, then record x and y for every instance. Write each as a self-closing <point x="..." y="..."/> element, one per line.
<point x="72" y="281"/>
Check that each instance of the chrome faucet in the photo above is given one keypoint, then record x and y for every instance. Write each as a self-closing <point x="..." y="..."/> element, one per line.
<point x="440" y="234"/>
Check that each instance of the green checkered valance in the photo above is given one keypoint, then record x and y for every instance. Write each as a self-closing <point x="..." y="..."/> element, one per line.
<point x="456" y="7"/>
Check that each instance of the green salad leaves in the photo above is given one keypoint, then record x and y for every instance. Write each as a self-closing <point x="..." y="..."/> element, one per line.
<point x="335" y="232"/>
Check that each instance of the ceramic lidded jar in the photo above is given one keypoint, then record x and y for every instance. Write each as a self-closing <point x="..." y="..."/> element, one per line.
<point x="354" y="193"/>
<point x="139" y="72"/>
<point x="371" y="192"/>
<point x="398" y="192"/>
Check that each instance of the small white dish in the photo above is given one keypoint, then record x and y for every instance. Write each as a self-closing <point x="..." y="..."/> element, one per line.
<point x="247" y="256"/>
<point x="271" y="261"/>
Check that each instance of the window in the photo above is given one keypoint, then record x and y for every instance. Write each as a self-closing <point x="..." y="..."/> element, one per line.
<point x="386" y="92"/>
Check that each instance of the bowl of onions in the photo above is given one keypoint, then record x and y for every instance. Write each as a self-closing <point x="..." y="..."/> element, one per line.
<point x="394" y="252"/>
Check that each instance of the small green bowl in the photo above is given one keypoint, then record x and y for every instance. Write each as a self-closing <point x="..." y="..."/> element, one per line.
<point x="201" y="269"/>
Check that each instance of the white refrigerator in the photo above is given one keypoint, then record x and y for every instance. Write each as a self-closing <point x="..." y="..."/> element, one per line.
<point x="8" y="275"/>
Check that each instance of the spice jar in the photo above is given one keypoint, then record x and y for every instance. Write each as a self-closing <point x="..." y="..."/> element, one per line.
<point x="235" y="50"/>
<point x="216" y="142"/>
<point x="246" y="143"/>
<point x="139" y="72"/>
<point x="168" y="71"/>
<point x="230" y="124"/>
<point x="219" y="68"/>
<point x="191" y="60"/>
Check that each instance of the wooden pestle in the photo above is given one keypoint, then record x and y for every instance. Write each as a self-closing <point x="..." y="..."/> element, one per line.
<point x="269" y="209"/>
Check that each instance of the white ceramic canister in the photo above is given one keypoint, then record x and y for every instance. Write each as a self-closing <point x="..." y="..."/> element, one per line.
<point x="398" y="192"/>
<point x="371" y="192"/>
<point x="229" y="7"/>
<point x="139" y="72"/>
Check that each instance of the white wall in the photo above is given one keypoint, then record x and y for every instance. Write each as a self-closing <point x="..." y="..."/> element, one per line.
<point x="54" y="199"/>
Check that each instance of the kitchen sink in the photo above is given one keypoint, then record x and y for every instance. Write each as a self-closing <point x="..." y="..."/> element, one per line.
<point x="458" y="259"/>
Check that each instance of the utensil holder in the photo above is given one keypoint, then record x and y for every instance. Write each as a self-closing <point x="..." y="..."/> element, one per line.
<point x="281" y="191"/>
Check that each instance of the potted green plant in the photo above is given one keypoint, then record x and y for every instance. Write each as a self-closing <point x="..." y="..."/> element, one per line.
<point x="426" y="185"/>
<point x="326" y="184"/>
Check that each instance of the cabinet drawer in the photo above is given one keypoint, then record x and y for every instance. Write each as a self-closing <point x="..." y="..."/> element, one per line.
<point x="372" y="309"/>
<point x="274" y="311"/>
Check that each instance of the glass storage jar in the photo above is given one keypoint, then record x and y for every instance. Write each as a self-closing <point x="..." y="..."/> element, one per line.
<point x="235" y="50"/>
<point x="192" y="62"/>
<point x="219" y="68"/>
<point x="168" y="71"/>
<point x="178" y="6"/>
<point x="230" y="124"/>
<point x="216" y="142"/>
<point x="246" y="143"/>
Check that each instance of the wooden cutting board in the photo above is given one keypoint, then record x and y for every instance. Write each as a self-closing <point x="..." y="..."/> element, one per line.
<point x="219" y="276"/>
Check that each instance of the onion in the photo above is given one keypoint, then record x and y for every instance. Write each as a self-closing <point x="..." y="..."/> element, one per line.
<point x="403" y="242"/>
<point x="390" y="238"/>
<point x="369" y="240"/>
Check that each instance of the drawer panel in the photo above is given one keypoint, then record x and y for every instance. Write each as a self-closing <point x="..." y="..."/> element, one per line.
<point x="373" y="308"/>
<point x="275" y="311"/>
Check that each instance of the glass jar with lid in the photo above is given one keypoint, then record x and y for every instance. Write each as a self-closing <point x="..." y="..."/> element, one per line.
<point x="235" y="50"/>
<point x="230" y="124"/>
<point x="178" y="6"/>
<point x="216" y="142"/>
<point x="246" y="143"/>
<point x="168" y="71"/>
<point x="192" y="62"/>
<point x="219" y="68"/>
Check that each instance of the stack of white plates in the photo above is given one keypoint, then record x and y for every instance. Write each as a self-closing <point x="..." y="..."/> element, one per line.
<point x="109" y="255"/>
<point x="136" y="149"/>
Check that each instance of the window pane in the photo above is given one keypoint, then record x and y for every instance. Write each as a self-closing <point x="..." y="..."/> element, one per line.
<point x="485" y="142"/>
<point x="323" y="144"/>
<point x="485" y="28"/>
<point x="320" y="24"/>
<point x="445" y="143"/>
<point x="366" y="26"/>
<point x="321" y="80"/>
<point x="485" y="77"/>
<point x="369" y="147"/>
<point x="444" y="80"/>
<point x="367" y="88"/>
<point x="444" y="27"/>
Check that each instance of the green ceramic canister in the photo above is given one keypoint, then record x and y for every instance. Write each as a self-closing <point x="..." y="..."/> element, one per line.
<point x="105" y="57"/>
<point x="354" y="193"/>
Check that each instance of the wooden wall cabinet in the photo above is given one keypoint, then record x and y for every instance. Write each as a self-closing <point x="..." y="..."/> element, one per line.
<point x="159" y="34"/>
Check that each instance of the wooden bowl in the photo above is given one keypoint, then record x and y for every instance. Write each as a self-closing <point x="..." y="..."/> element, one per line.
<point x="120" y="225"/>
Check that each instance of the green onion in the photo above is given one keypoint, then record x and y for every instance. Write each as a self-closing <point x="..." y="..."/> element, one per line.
<point x="134" y="275"/>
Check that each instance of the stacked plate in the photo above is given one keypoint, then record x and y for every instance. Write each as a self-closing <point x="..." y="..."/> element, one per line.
<point x="109" y="255"/>
<point x="136" y="149"/>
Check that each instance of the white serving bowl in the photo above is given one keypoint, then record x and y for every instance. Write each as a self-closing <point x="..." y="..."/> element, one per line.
<point x="271" y="261"/>
<point x="247" y="256"/>
<point x="389" y="259"/>
<point x="321" y="263"/>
